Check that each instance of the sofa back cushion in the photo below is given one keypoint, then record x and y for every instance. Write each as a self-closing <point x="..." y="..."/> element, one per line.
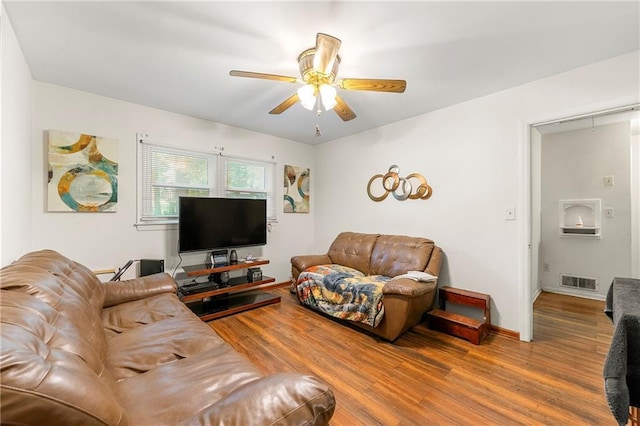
<point x="353" y="250"/>
<point x="77" y="277"/>
<point x="49" y="372"/>
<point x="68" y="287"/>
<point x="396" y="254"/>
<point x="53" y="344"/>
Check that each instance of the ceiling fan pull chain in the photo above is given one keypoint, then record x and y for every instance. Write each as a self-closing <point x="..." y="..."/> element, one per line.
<point x="318" y="103"/>
<point x="318" y="111"/>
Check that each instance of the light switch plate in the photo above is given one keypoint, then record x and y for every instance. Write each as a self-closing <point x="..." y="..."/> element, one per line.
<point x="609" y="212"/>
<point x="510" y="213"/>
<point x="608" y="181"/>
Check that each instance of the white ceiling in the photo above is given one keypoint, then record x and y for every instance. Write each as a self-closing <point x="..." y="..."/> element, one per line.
<point x="176" y="56"/>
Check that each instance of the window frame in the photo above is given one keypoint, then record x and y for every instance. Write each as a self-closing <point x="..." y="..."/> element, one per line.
<point x="269" y="190"/>
<point x="217" y="187"/>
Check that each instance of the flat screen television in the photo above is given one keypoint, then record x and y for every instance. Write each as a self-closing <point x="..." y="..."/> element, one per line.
<point x="215" y="223"/>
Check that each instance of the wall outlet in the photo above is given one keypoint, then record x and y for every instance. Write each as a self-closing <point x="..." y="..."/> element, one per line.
<point x="546" y="267"/>
<point x="608" y="181"/>
<point x="609" y="212"/>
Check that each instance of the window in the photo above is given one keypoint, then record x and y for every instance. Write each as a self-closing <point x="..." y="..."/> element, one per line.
<point x="245" y="178"/>
<point x="166" y="173"/>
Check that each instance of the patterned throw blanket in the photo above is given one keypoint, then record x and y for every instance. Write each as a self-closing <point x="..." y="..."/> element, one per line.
<point x="343" y="292"/>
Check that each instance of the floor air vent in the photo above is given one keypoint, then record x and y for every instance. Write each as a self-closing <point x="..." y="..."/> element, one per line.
<point x="582" y="283"/>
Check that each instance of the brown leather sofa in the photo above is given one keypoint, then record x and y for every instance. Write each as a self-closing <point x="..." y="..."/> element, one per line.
<point x="76" y="351"/>
<point x="405" y="300"/>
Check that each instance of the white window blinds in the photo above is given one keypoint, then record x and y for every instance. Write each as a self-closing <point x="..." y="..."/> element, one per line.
<point x="247" y="178"/>
<point x="166" y="173"/>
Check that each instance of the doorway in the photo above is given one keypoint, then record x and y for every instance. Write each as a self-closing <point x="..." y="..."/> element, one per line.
<point x="574" y="159"/>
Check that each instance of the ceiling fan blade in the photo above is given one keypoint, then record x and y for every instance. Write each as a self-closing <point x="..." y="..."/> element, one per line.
<point x="326" y="51"/>
<point x="236" y="73"/>
<point x="343" y="110"/>
<point x="290" y="101"/>
<point x="371" y="84"/>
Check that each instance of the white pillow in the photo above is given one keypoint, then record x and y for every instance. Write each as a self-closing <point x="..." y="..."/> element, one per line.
<point x="417" y="276"/>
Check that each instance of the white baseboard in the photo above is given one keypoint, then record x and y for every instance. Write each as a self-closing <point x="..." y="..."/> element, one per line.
<point x="537" y="293"/>
<point x="567" y="292"/>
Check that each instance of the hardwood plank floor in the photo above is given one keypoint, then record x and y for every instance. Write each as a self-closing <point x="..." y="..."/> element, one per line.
<point x="427" y="377"/>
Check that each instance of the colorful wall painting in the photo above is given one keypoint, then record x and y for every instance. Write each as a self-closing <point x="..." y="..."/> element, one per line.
<point x="83" y="173"/>
<point x="296" y="189"/>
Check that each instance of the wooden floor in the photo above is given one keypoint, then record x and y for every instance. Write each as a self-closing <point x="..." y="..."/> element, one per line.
<point x="429" y="378"/>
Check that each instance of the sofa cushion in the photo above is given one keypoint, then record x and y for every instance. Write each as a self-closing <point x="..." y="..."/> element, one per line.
<point x="353" y="250"/>
<point x="119" y="318"/>
<point x="141" y="349"/>
<point x="394" y="255"/>
<point x="255" y="402"/>
<point x="80" y="278"/>
<point x="177" y="371"/>
<point x="175" y="392"/>
<point x="158" y="340"/>
<point x="72" y="301"/>
<point x="49" y="371"/>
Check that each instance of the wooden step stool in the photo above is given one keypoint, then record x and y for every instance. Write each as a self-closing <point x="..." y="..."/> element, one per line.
<point x="458" y="325"/>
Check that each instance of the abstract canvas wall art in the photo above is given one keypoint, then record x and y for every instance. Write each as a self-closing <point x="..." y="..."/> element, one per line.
<point x="83" y="173"/>
<point x="296" y="189"/>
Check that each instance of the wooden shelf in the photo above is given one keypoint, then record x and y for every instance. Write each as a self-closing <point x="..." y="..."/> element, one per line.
<point x="456" y="325"/>
<point x="231" y="304"/>
<point x="576" y="231"/>
<point x="197" y="270"/>
<point x="213" y="289"/>
<point x="211" y="300"/>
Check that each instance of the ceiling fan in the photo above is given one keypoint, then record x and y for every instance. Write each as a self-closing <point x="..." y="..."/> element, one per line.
<point x="318" y="69"/>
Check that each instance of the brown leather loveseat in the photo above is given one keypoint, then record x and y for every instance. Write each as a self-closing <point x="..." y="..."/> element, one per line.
<point x="76" y="351"/>
<point x="405" y="301"/>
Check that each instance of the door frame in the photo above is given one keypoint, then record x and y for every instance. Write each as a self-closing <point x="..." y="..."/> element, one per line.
<point x="526" y="203"/>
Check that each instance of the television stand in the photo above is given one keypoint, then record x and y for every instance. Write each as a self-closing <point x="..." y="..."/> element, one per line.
<point x="210" y="300"/>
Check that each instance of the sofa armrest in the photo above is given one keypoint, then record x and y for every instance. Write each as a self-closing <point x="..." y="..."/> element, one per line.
<point x="408" y="287"/>
<point x="300" y="263"/>
<point x="117" y="292"/>
<point x="435" y="261"/>
<point x="285" y="398"/>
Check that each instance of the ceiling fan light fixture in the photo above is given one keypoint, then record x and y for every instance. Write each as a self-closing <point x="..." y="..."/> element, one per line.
<point x="307" y="95"/>
<point x="328" y="96"/>
<point x="307" y="70"/>
<point x="318" y="68"/>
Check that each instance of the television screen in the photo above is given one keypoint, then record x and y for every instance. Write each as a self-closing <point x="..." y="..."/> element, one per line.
<point x="216" y="223"/>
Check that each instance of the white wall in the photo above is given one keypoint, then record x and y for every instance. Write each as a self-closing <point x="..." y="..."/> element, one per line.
<point x="574" y="164"/>
<point x="105" y="240"/>
<point x="15" y="146"/>
<point x="635" y="198"/>
<point x="473" y="155"/>
<point x="536" y="150"/>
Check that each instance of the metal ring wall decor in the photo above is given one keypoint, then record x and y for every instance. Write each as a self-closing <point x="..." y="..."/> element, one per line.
<point x="391" y="182"/>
